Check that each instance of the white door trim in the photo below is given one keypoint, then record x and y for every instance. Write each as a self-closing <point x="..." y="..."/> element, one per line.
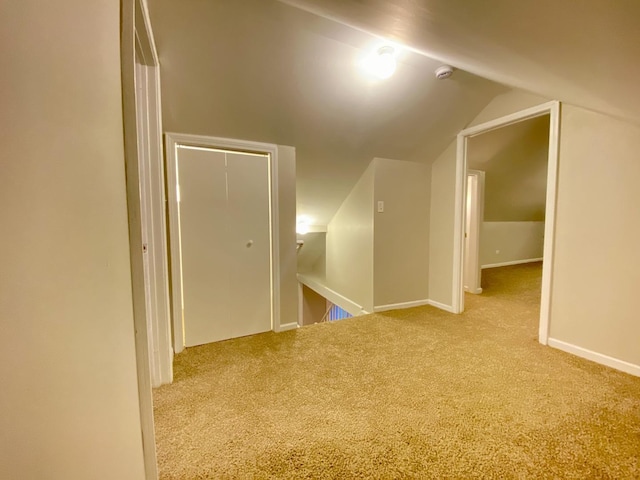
<point x="473" y="235"/>
<point x="553" y="110"/>
<point x="152" y="217"/>
<point x="172" y="142"/>
<point x="300" y="304"/>
<point x="135" y="27"/>
<point x="152" y="192"/>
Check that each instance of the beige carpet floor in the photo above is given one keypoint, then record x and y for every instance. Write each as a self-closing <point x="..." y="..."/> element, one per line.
<point x="417" y="393"/>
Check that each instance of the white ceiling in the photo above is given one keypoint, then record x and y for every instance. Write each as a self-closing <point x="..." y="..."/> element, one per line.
<point x="581" y="52"/>
<point x="262" y="70"/>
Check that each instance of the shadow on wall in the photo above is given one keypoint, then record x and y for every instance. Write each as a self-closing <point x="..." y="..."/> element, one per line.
<point x="515" y="160"/>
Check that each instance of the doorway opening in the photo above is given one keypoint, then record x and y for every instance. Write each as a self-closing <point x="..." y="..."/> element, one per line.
<point x="505" y="202"/>
<point x="468" y="252"/>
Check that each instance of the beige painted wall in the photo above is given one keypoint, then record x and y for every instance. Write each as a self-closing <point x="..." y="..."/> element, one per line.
<point x="314" y="306"/>
<point x="511" y="241"/>
<point x="441" y="217"/>
<point x="319" y="268"/>
<point x="287" y="234"/>
<point x="442" y="197"/>
<point x="515" y="160"/>
<point x="311" y="255"/>
<point x="69" y="407"/>
<point x="596" y="271"/>
<point x="349" y="254"/>
<point x="509" y="102"/>
<point x="401" y="232"/>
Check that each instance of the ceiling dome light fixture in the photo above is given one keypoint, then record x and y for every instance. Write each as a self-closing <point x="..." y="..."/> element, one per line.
<point x="381" y="63"/>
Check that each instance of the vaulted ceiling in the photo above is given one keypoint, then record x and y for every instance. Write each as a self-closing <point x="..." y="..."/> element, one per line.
<point x="515" y="160"/>
<point x="265" y="71"/>
<point x="584" y="53"/>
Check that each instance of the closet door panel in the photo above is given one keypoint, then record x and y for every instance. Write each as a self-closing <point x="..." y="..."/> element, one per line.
<point x="204" y="235"/>
<point x="249" y="243"/>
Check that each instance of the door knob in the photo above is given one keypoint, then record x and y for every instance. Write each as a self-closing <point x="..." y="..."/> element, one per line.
<point x="249" y="243"/>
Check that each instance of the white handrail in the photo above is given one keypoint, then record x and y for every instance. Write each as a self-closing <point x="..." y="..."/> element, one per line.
<point x="315" y="284"/>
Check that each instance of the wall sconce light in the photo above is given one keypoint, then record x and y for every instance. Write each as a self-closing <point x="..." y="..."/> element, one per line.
<point x="302" y="225"/>
<point x="302" y="228"/>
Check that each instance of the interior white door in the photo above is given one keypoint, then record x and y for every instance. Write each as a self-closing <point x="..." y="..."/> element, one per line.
<point x="224" y="244"/>
<point x="473" y="224"/>
<point x="468" y="235"/>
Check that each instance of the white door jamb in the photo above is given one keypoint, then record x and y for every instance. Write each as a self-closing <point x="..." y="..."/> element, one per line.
<point x="135" y="28"/>
<point x="152" y="191"/>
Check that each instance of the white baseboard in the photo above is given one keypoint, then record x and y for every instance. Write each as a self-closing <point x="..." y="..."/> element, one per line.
<point x="477" y="291"/>
<point x="417" y="303"/>
<point x="441" y="306"/>
<point x="288" y="326"/>
<point x="398" y="306"/>
<point x="595" y="357"/>
<point x="513" y="262"/>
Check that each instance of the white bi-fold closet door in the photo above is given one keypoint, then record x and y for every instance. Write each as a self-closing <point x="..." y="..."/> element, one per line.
<point x="224" y="243"/>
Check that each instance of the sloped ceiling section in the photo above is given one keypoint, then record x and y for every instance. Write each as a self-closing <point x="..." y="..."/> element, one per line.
<point x="584" y="53"/>
<point x="515" y="160"/>
<point x="265" y="71"/>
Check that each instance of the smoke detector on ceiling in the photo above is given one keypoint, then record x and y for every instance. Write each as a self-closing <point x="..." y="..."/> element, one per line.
<point x="443" y="72"/>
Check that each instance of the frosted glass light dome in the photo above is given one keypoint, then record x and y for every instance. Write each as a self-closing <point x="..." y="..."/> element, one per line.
<point x="381" y="63"/>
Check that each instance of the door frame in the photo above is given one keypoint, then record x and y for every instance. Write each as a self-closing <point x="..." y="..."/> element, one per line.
<point x="474" y="232"/>
<point x="553" y="110"/>
<point x="136" y="27"/>
<point x="152" y="202"/>
<point x="172" y="142"/>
